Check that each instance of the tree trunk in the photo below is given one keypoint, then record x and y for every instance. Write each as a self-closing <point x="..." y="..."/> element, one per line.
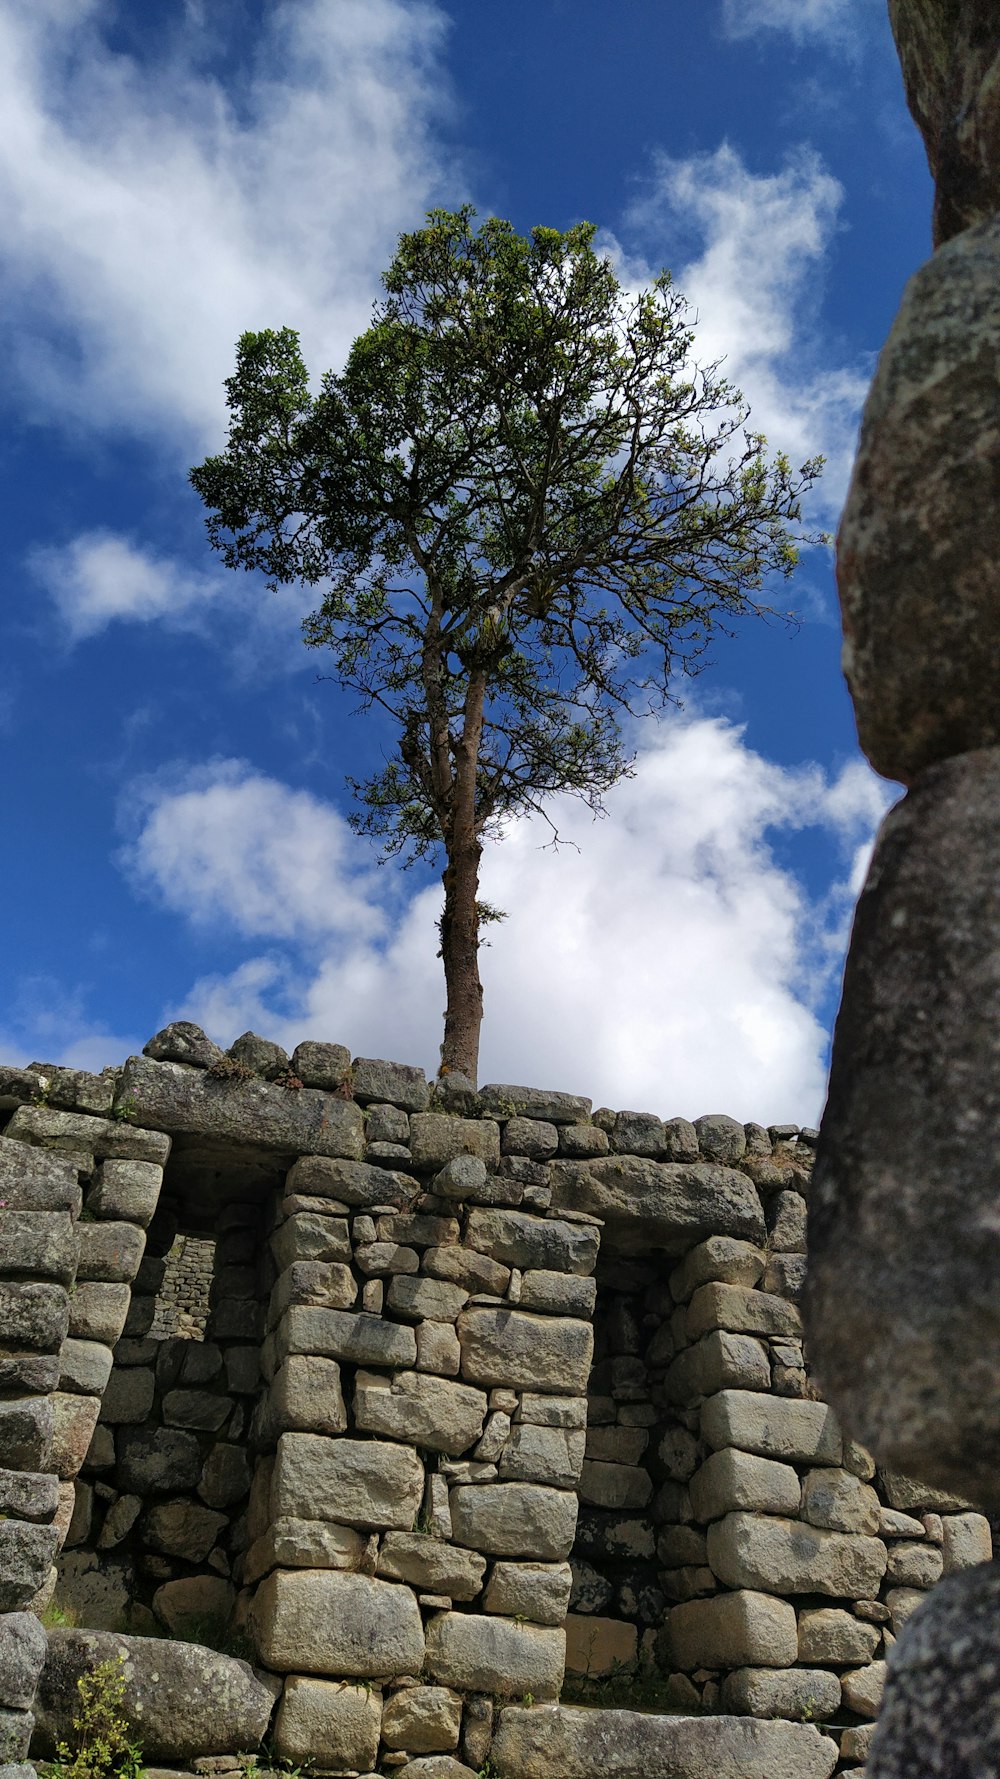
<point x="460" y="919"/>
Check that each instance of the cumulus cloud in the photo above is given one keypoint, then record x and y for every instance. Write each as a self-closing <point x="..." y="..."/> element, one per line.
<point x="663" y="957"/>
<point x="101" y="576"/>
<point x="50" y="1021"/>
<point x="762" y="241"/>
<point x="150" y="214"/>
<point x="804" y="20"/>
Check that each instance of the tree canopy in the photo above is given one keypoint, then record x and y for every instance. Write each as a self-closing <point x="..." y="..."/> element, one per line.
<point x="524" y="509"/>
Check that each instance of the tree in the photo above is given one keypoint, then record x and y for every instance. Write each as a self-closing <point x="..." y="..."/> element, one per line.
<point x="525" y="509"/>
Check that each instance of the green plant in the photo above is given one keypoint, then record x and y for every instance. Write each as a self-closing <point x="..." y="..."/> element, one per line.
<point x="487" y="1770"/>
<point x="230" y="1068"/>
<point x="102" y="1745"/>
<point x="124" y="1110"/>
<point x="57" y="1617"/>
<point x="527" y="1698"/>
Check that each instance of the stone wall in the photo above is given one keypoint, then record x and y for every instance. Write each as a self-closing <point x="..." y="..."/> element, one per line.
<point x="182" y="1302"/>
<point x="494" y="1388"/>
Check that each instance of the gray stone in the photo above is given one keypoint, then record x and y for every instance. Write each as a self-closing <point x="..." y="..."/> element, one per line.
<point x="617" y="1445"/>
<point x="339" y="1334"/>
<point x="548" y="1244"/>
<point x="260" y="1055"/>
<point x="304" y="1544"/>
<point x="721" y="1139"/>
<point x="901" y="1604"/>
<point x="34" y="1373"/>
<point x="378" y="1258"/>
<point x="638" y="1133"/>
<point x="319" y="1621"/>
<point x="168" y="1096"/>
<point x="536" y="1591"/>
<point x="840" y="1502"/>
<point x="79" y="1136"/>
<point x="734" y="1630"/>
<point x="73" y="1421"/>
<point x="741" y="1311"/>
<point x="863" y="1688"/>
<point x="484" y="1654"/>
<point x="182" y="1699"/>
<point x="829" y="1634"/>
<point x="419" y="1409"/>
<point x="127" y="1190"/>
<point x="110" y="1252"/>
<point x="721" y="1258"/>
<point x="592" y="1591"/>
<point x="801" y="1432"/>
<point x="463" y="1177"/>
<point x="312" y="1282"/>
<point x="530" y="1136"/>
<point x="321" y="1065"/>
<point x="306" y="1397"/>
<point x="582" y="1142"/>
<point x="329" y="1724"/>
<point x="26" y="1430"/>
<point x="553" y="1411"/>
<point x="15" y="1737"/>
<point x="558" y="1294"/>
<point x="38" y="1180"/>
<point x="34" y="1316"/>
<point x="438" y="1766"/>
<point x="128" y="1398"/>
<point x="586" y="1744"/>
<point x="788" y="1557"/>
<point x="194" y="1605"/>
<point x="914" y="1565"/>
<point x="98" y="1312"/>
<point x="84" y="1366"/>
<point x="43" y="1243"/>
<point x="23" y="1647"/>
<point x="200" y="1409"/>
<point x="422" y="1719"/>
<point x="357" y="1482"/>
<point x="949" y="59"/>
<point x="467" y="1269"/>
<point x="420" y="1229"/>
<point x="900" y="1196"/>
<point x="182" y="1528"/>
<point x="431" y="1565"/>
<point x="719" y="1361"/>
<point x="158" y="1460"/>
<point x="28" y="1495"/>
<point x="436" y="1138"/>
<point x="802" y="1694"/>
<point x="27" y="1553"/>
<point x="515" y="1520"/>
<point x="614" y="1485"/>
<point x="310" y="1237"/>
<point x="435" y="1300"/>
<point x="499" y="1100"/>
<point x="671" y="1204"/>
<point x="438" y="1349"/>
<point x="786" y="1223"/>
<point x="393" y="1082"/>
<point x="730" y="1480"/>
<point x="544" y="1454"/>
<point x="521" y="1351"/>
<point x="967" y="1540"/>
<point x="181" y="1041"/>
<point x="349" y="1181"/>
<point x="118" y="1521"/>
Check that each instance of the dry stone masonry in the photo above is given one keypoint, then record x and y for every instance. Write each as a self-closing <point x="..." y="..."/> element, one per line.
<point x="904" y="1232"/>
<point x="495" y="1401"/>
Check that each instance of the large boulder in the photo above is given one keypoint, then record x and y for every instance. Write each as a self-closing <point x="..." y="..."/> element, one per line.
<point x="951" y="69"/>
<point x="904" y="1237"/>
<point x="668" y="1204"/>
<point x="941" y="1709"/>
<point x="577" y="1744"/>
<point x="183" y="1700"/>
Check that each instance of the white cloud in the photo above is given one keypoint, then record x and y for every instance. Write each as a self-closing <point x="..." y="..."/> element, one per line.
<point x="672" y="962"/>
<point x="149" y="215"/>
<point x="49" y="1021"/>
<point x="228" y="847"/>
<point x="753" y="285"/>
<point x="803" y="20"/>
<point x="101" y="576"/>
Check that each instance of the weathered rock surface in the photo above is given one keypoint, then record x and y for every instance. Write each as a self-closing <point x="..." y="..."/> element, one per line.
<point x="672" y="1204"/>
<point x="183" y="1700"/>
<point x="328" y="1724"/>
<point x="422" y="1719"/>
<point x="324" y="1622"/>
<point x="547" y="1244"/>
<point x="420" y="1409"/>
<point x="747" y="1550"/>
<point x="359" y="1482"/>
<point x="485" y="1654"/>
<point x="23" y="1648"/>
<point x="951" y="70"/>
<point x="941" y="1709"/>
<point x="578" y="1744"/>
<point x="903" y="1226"/>
<point x="772" y="1427"/>
<point x="431" y="1565"/>
<point x="919" y="542"/>
<point x="736" y="1630"/>
<point x="168" y="1096"/>
<point x="515" y="1520"/>
<point x="521" y="1351"/>
<point x="798" y="1693"/>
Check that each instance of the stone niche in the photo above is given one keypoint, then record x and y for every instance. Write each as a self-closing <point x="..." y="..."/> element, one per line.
<point x="472" y="1401"/>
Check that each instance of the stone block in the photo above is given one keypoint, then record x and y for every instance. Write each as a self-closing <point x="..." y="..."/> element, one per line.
<point x="158" y="1460"/>
<point x="305" y="1396"/>
<point x="438" y="1348"/>
<point x="320" y="1621"/>
<point x="28" y="1495"/>
<point x="110" y="1252"/>
<point x="967" y="1541"/>
<point x="731" y="1480"/>
<point x="422" y="1719"/>
<point x="16" y="1729"/>
<point x="26" y="1433"/>
<point x="23" y="1647"/>
<point x="39" y="1180"/>
<point x="802" y="1694"/>
<point x="614" y="1485"/>
<point x="321" y="1065"/>
<point x="671" y="1204"/>
<point x="420" y="1409"/>
<point x="356" y="1482"/>
<point x="313" y="1282"/>
<point x="416" y="1300"/>
<point x="741" y="1311"/>
<point x="482" y="1654"/>
<point x="829" y="1634"/>
<point x="74" y="1134"/>
<point x="431" y="1565"/>
<point x="546" y="1244"/>
<point x="357" y="1339"/>
<point x="719" y="1361"/>
<point x="168" y="1096"/>
<point x="201" y="1410"/>
<point x="535" y="1591"/>
<point x="599" y="1647"/>
<point x="183" y="1041"/>
<point x="587" y="1744"/>
<point x="34" y="1316"/>
<point x="616" y="1444"/>
<point x="44" y="1243"/>
<point x="722" y="1259"/>
<point x="126" y="1191"/>
<point x="782" y="1556"/>
<point x="523" y="1351"/>
<point x="419" y="1229"/>
<point x="614" y="1537"/>
<point x="84" y="1367"/>
<point x="840" y="1502"/>
<point x="27" y="1553"/>
<point x="534" y="1137"/>
<point x="348" y="1182"/>
<point x="182" y="1528"/>
<point x="543" y="1454"/>
<point x="515" y="1520"/>
<point x="128" y="1398"/>
<point x="377" y="1259"/>
<point x="558" y="1294"/>
<point x="436" y="1138"/>
<point x="35" y="1374"/>
<point x="914" y="1565"/>
<point x="800" y="1432"/>
<point x="500" y="1100"/>
<point x="394" y="1083"/>
<point x="193" y="1602"/>
<point x="736" y="1630"/>
<point x="863" y="1688"/>
<point x="73" y="1421"/>
<point x="98" y="1312"/>
<point x="553" y="1411"/>
<point x="467" y="1269"/>
<point x="330" y="1724"/>
<point x="308" y="1236"/>
<point x="303" y="1544"/>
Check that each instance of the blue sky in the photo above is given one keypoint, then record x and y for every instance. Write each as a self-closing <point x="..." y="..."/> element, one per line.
<point x="176" y="843"/>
